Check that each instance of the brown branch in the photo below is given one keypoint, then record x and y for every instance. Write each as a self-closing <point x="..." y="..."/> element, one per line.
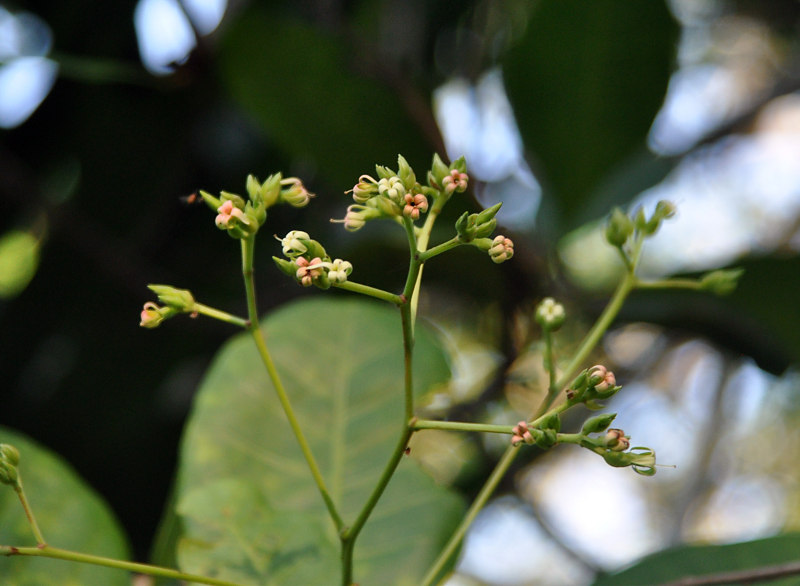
<point x="761" y="574"/>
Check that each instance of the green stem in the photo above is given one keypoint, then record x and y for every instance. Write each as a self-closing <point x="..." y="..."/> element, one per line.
<point x="419" y="424"/>
<point x="73" y="556"/>
<point x="408" y="316"/>
<point x="349" y="535"/>
<point x="220" y="315"/>
<point x="691" y="284"/>
<point x="369" y="291"/>
<point x="477" y="505"/>
<point x="283" y="398"/>
<point x="439" y="249"/>
<point x="18" y="488"/>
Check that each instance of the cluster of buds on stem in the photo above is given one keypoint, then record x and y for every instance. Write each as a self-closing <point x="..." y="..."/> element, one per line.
<point x="544" y="434"/>
<point x="308" y="262"/>
<point x="174" y="301"/>
<point x="614" y="445"/>
<point x="591" y="384"/>
<point x="622" y="226"/>
<point x="241" y="217"/>
<point x="394" y="194"/>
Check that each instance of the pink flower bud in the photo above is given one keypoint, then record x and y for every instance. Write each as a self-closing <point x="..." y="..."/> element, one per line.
<point x="151" y="316"/>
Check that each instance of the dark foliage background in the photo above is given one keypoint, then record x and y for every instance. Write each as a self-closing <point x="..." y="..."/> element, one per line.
<point x="322" y="90"/>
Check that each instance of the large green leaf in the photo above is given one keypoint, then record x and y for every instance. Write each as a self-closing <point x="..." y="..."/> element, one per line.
<point x="586" y="81"/>
<point x="300" y="83"/>
<point x="70" y="515"/>
<point x="342" y="365"/>
<point x="680" y="562"/>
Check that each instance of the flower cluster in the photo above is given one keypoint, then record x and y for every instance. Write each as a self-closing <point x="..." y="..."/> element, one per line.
<point x="392" y="195"/>
<point x="308" y="262"/>
<point x="241" y="217"/>
<point x="591" y="384"/>
<point x="398" y="195"/>
<point x="614" y="446"/>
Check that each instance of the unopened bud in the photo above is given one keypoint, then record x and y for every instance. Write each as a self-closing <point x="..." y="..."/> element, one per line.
<point x="9" y="453"/>
<point x="721" y="282"/>
<point x="597" y="423"/>
<point x="616" y="440"/>
<point x="502" y="249"/>
<point x="619" y="228"/>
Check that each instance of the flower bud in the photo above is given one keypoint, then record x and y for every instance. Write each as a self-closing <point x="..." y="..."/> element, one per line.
<point x="8" y="473"/>
<point x="365" y="189"/>
<point x="619" y="228"/>
<point x="502" y="249"/>
<point x="179" y="299"/>
<point x="616" y="440"/>
<point x="9" y="454"/>
<point x="294" y="192"/>
<point x="597" y="423"/>
<point x="150" y="316"/>
<point x="550" y="314"/>
<point x="664" y="210"/>
<point x="721" y="282"/>
<point x="358" y="215"/>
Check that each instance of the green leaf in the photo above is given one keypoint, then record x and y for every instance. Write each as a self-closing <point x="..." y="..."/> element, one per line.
<point x="19" y="259"/>
<point x="70" y="515"/>
<point x="304" y="88"/>
<point x="680" y="562"/>
<point x="586" y="81"/>
<point x="342" y="364"/>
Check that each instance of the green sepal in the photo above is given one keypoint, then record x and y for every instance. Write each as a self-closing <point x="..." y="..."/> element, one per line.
<point x="210" y="200"/>
<point x="180" y="299"/>
<point x="406" y="173"/>
<point x="384" y="172"/>
<point x="460" y="165"/>
<point x="545" y="439"/>
<point x="271" y="189"/>
<point x="237" y="200"/>
<point x="437" y="173"/>
<point x="598" y="423"/>
<point x="551" y="422"/>
<point x="287" y="267"/>
<point x="9" y="454"/>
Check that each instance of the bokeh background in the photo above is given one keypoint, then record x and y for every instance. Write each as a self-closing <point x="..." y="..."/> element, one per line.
<point x="112" y="113"/>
